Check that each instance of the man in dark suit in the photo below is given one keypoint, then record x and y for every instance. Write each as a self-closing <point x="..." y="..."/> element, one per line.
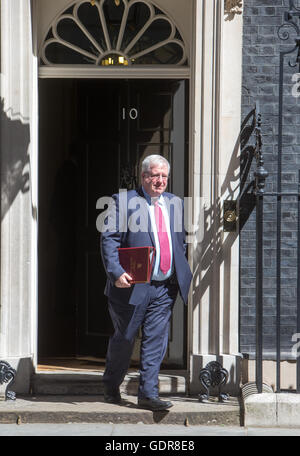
<point x="148" y="216"/>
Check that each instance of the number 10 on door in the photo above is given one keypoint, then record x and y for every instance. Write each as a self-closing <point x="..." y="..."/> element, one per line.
<point x="132" y="112"/>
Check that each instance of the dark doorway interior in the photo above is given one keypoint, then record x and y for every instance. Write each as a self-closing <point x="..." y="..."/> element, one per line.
<point x="93" y="136"/>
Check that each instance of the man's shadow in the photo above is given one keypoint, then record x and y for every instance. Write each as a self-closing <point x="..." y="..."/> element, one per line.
<point x="15" y="139"/>
<point x="213" y="252"/>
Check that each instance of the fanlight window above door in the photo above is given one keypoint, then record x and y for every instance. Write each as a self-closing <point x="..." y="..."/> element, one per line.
<point x="113" y="32"/>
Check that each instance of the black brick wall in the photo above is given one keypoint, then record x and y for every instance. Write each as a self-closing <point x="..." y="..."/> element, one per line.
<point x="261" y="50"/>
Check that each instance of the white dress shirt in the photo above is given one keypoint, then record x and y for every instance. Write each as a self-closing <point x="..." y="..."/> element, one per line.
<point x="157" y="274"/>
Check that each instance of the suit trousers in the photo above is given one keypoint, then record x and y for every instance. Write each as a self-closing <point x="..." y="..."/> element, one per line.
<point x="153" y="316"/>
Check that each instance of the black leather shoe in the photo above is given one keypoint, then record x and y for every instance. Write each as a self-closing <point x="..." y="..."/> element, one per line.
<point x="112" y="397"/>
<point x="154" y="404"/>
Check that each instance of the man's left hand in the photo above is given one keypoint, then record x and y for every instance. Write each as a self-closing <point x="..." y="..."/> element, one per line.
<point x="123" y="281"/>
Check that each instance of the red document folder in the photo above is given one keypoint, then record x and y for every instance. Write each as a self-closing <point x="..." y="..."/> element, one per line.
<point x="137" y="262"/>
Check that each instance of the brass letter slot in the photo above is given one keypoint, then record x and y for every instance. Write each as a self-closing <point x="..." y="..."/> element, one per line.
<point x="230" y="215"/>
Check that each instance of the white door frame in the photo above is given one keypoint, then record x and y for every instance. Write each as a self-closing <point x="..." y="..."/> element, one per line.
<point x="138" y="72"/>
<point x="93" y="72"/>
<point x="130" y="72"/>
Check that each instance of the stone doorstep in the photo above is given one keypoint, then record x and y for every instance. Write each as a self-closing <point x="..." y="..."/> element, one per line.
<point x="272" y="410"/>
<point x="90" y="383"/>
<point x="72" y="396"/>
<point x="91" y="409"/>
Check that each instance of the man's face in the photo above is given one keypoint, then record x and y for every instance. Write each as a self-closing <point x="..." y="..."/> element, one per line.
<point x="156" y="180"/>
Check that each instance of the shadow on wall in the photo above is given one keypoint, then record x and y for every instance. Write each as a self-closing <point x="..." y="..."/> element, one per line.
<point x="214" y="253"/>
<point x="15" y="138"/>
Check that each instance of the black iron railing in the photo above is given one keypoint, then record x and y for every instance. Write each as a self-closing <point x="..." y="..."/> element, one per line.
<point x="259" y="190"/>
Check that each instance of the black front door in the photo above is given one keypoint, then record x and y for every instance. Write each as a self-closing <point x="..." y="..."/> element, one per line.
<point x="117" y="123"/>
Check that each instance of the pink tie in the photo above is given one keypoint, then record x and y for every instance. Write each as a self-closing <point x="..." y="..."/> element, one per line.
<point x="165" y="255"/>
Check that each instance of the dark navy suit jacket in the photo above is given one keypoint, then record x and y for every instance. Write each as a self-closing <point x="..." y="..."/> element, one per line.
<point x="131" y="227"/>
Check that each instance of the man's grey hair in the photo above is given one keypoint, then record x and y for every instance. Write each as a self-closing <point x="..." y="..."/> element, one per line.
<point x="153" y="160"/>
